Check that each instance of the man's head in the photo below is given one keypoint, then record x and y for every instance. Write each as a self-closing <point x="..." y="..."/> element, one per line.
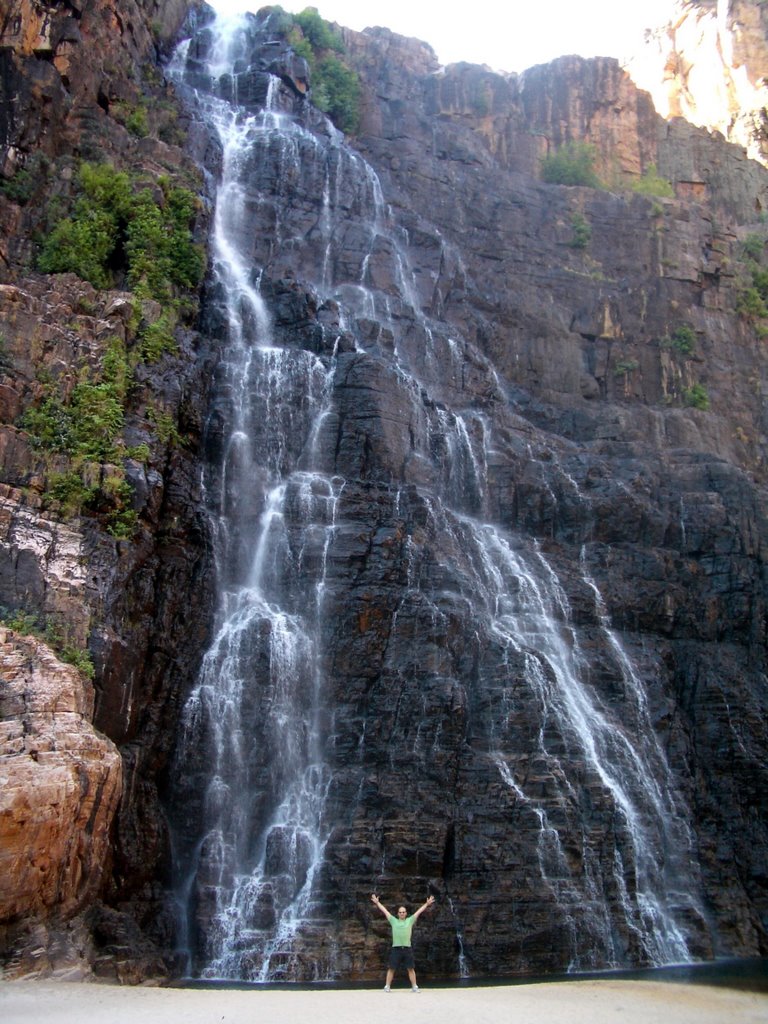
<point x="402" y="912"/>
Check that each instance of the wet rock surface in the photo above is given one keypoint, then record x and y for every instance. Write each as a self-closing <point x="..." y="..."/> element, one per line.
<point x="523" y="575"/>
<point x="543" y="573"/>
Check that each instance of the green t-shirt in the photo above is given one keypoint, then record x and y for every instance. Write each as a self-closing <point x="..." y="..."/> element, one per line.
<point x="401" y="930"/>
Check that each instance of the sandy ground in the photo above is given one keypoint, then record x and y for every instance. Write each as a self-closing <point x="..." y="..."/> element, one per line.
<point x="576" y="1002"/>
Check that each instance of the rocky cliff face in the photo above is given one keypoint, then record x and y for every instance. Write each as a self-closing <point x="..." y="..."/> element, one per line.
<point x="708" y="65"/>
<point x="107" y="597"/>
<point x="60" y="788"/>
<point x="483" y="469"/>
<point x="530" y="552"/>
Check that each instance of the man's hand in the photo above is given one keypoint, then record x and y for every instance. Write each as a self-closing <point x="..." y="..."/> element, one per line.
<point x="375" y="900"/>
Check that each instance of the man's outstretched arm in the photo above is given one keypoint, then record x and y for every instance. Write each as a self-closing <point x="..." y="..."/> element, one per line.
<point x="380" y="905"/>
<point x="428" y="903"/>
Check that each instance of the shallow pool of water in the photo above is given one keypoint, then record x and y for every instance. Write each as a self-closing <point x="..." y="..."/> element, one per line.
<point x="747" y="974"/>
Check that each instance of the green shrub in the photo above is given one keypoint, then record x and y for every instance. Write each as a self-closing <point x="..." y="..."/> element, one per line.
<point x="582" y="232"/>
<point x="753" y="247"/>
<point x="79" y="657"/>
<point x="58" y="639"/>
<point x="572" y="164"/>
<point x="97" y="420"/>
<point x="760" y="281"/>
<point x="337" y="93"/>
<point x="117" y="229"/>
<point x="138" y="452"/>
<point x="650" y="184"/>
<point x="318" y="31"/>
<point x="21" y="186"/>
<point x="137" y="122"/>
<point x="69" y="492"/>
<point x="301" y="47"/>
<point x="159" y="247"/>
<point x="157" y="338"/>
<point x="682" y="340"/>
<point x="115" y="369"/>
<point x="87" y="425"/>
<point x="696" y="396"/>
<point x="752" y="301"/>
<point x="751" y="305"/>
<point x="20" y="621"/>
<point x="165" y="426"/>
<point x="49" y="424"/>
<point x="63" y="644"/>
<point x="122" y="520"/>
<point x="82" y="245"/>
<point x="335" y="86"/>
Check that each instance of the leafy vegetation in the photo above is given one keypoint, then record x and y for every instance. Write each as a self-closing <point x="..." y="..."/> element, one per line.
<point x="318" y="32"/>
<point x="625" y="367"/>
<point x="29" y="624"/>
<point x="337" y="93"/>
<point x="335" y="85"/>
<point x="572" y="164"/>
<point x="696" y="396"/>
<point x="120" y="231"/>
<point x="21" y="186"/>
<point x="651" y="184"/>
<point x="156" y="338"/>
<point x="116" y="494"/>
<point x="752" y="299"/>
<point x="165" y="426"/>
<point x="84" y="427"/>
<point x="70" y="493"/>
<point x="682" y="340"/>
<point x="751" y="304"/>
<point x="753" y="247"/>
<point x="582" y="232"/>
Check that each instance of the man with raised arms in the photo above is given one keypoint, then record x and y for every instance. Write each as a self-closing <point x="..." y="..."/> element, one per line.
<point x="401" y="954"/>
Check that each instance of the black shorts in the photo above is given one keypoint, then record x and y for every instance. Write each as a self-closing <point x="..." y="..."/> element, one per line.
<point x="401" y="956"/>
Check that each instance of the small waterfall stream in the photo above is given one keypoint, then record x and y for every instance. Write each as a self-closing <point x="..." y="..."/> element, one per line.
<point x="256" y="824"/>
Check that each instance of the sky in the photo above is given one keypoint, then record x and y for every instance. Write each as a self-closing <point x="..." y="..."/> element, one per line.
<point x="508" y="36"/>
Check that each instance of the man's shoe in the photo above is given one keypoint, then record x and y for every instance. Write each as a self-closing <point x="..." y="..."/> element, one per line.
<point x="386" y="988"/>
<point x="415" y="988"/>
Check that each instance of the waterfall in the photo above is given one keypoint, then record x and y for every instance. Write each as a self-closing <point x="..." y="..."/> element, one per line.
<point x="259" y="796"/>
<point x="248" y="880"/>
<point x="525" y="617"/>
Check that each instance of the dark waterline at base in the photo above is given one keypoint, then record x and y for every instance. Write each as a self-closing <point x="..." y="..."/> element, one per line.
<point x="750" y="975"/>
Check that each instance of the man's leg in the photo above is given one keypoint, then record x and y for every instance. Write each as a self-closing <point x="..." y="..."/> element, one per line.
<point x="412" y="979"/>
<point x="388" y="982"/>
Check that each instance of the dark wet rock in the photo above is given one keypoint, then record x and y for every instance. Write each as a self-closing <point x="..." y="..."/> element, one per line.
<point x="506" y="417"/>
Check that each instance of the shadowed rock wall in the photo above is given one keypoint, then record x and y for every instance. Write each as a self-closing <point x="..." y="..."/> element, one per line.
<point x="522" y="458"/>
<point x="530" y="498"/>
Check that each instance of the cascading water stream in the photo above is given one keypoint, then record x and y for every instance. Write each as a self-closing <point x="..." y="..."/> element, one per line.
<point x="248" y="879"/>
<point x="528" y="614"/>
<point x="251" y="857"/>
